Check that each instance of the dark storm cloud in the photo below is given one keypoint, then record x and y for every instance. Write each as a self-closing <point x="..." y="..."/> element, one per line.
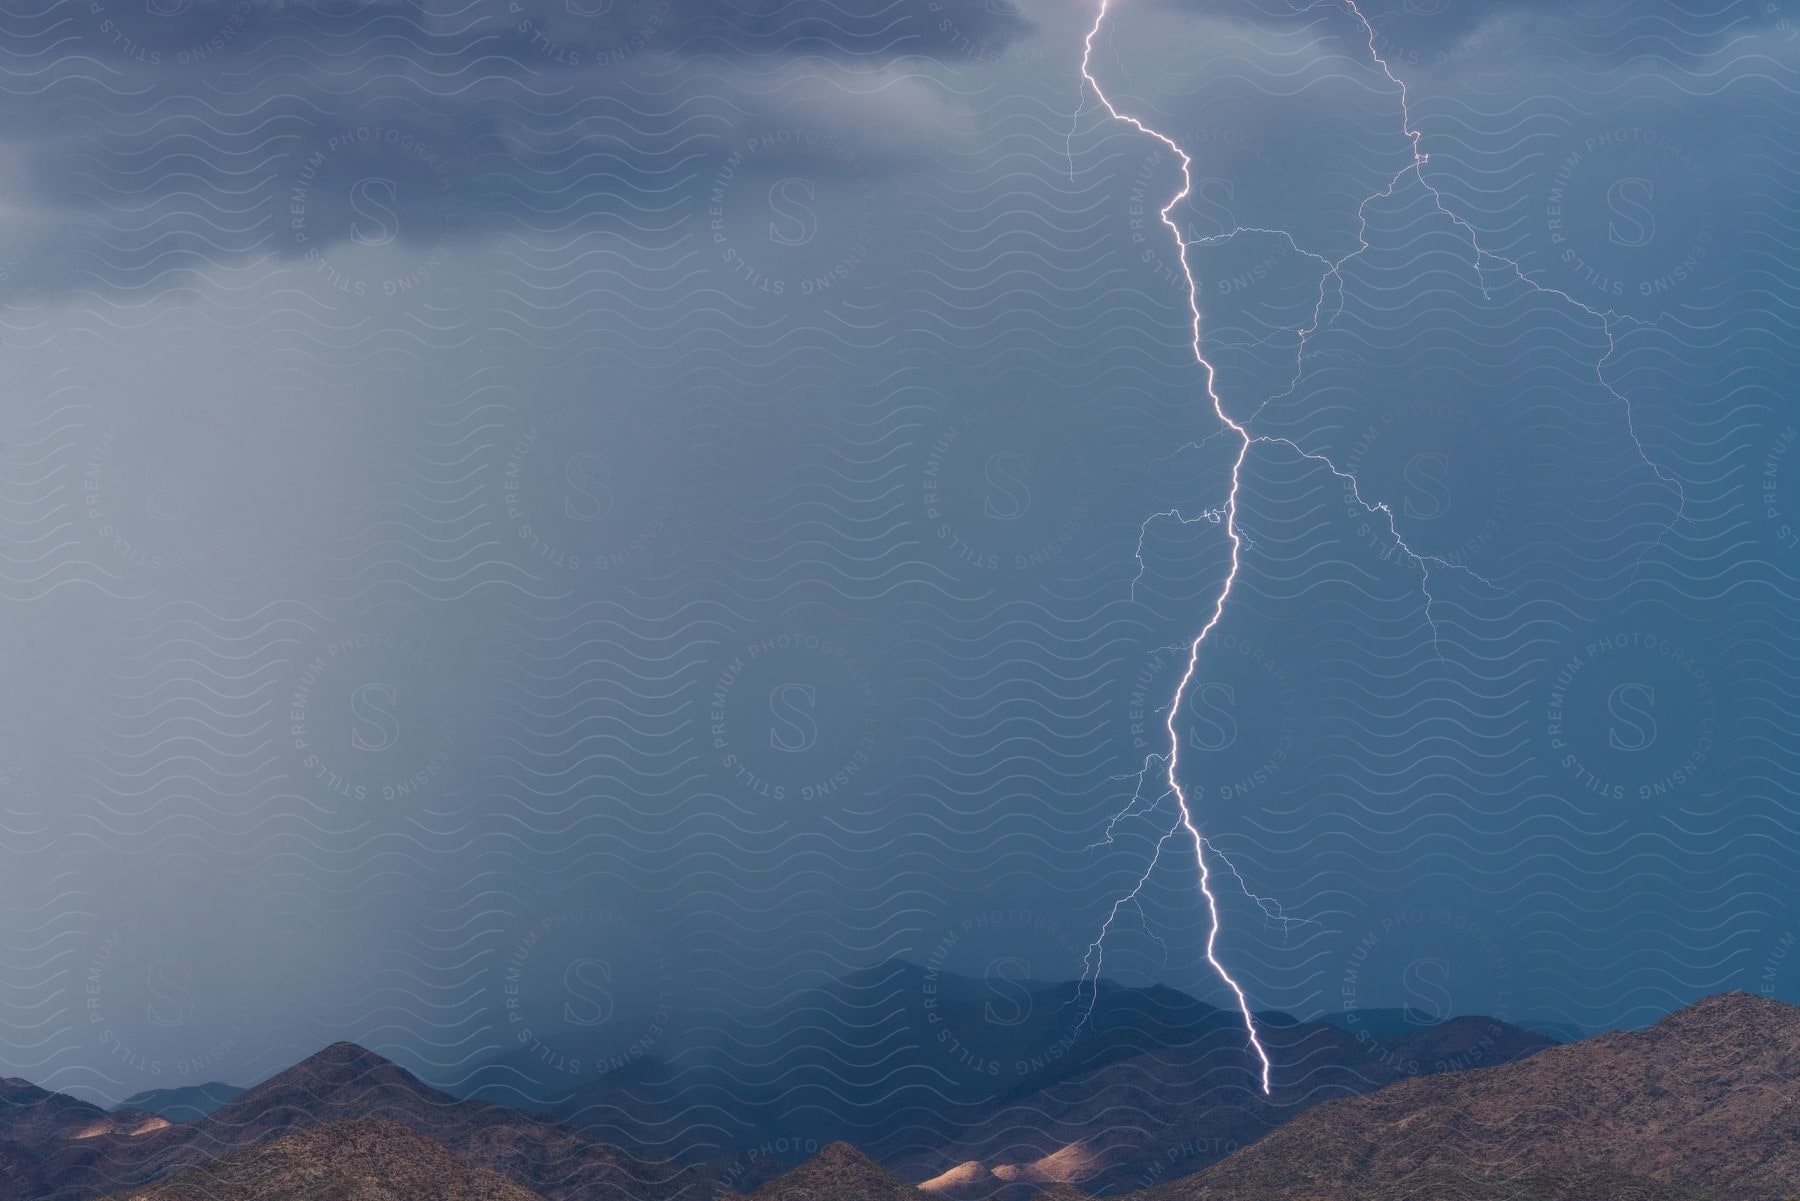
<point x="1427" y="33"/>
<point x="864" y="29"/>
<point x="190" y="33"/>
<point x="166" y="135"/>
<point x="161" y="136"/>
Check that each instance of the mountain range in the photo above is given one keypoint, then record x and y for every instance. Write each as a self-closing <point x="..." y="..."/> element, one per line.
<point x="1703" y="1106"/>
<point x="926" y="1070"/>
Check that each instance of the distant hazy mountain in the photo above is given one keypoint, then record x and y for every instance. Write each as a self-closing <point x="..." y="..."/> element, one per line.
<point x="183" y="1104"/>
<point x="1560" y="1032"/>
<point x="1400" y="1023"/>
<point x="365" y="1160"/>
<point x="1705" y="1104"/>
<point x="1379" y="1023"/>
<point x="925" y="1070"/>
<point x="893" y="1058"/>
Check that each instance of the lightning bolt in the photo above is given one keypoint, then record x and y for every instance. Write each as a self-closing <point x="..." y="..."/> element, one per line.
<point x="1228" y="517"/>
<point x="1226" y="514"/>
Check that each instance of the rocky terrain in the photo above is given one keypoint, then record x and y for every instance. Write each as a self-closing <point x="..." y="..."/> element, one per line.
<point x="45" y="1135"/>
<point x="364" y="1160"/>
<point x="838" y="1173"/>
<point x="1706" y="1104"/>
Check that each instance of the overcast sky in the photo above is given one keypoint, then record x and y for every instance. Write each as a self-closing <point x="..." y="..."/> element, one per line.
<point x="674" y="486"/>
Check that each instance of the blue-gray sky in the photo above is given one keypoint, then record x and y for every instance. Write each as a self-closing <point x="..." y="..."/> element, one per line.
<point x="653" y="496"/>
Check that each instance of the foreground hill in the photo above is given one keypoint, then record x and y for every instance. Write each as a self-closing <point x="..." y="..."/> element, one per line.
<point x="365" y="1160"/>
<point x="1705" y="1104"/>
<point x="29" y="1114"/>
<point x="838" y="1173"/>
<point x="842" y="1173"/>
<point x="42" y="1133"/>
<point x="66" y="1160"/>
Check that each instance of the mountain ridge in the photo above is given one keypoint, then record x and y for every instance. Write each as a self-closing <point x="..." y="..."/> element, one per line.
<point x="1701" y="1106"/>
<point x="341" y="1082"/>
